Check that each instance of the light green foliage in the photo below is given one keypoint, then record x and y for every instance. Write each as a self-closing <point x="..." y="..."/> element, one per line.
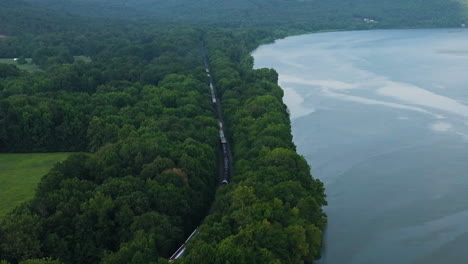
<point x="141" y="250"/>
<point x="41" y="261"/>
<point x="272" y="212"/>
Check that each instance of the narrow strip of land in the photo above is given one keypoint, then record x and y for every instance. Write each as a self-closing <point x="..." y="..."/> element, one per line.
<point x="225" y="156"/>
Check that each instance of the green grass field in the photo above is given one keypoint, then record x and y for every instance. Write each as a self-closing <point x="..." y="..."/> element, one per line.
<point x="19" y="175"/>
<point x="26" y="67"/>
<point x="83" y="58"/>
<point x="30" y="67"/>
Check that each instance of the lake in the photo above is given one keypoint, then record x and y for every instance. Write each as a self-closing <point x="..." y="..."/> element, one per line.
<point x="382" y="117"/>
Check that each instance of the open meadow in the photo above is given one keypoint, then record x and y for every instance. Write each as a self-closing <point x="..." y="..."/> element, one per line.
<point x="19" y="175"/>
<point x="31" y="67"/>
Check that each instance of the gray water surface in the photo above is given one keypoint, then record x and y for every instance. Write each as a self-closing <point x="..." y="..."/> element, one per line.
<point x="382" y="117"/>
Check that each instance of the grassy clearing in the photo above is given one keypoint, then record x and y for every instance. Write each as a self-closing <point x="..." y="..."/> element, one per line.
<point x="26" y="67"/>
<point x="19" y="175"/>
<point x="87" y="59"/>
<point x="30" y="67"/>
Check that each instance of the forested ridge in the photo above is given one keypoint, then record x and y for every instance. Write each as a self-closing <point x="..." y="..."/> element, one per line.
<point x="305" y="14"/>
<point x="19" y="17"/>
<point x="139" y="112"/>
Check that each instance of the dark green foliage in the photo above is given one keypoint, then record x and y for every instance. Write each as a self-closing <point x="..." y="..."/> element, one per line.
<point x="49" y="56"/>
<point x="300" y="14"/>
<point x="22" y="60"/>
<point x="151" y="172"/>
<point x="8" y="70"/>
<point x="17" y="16"/>
<point x="20" y="236"/>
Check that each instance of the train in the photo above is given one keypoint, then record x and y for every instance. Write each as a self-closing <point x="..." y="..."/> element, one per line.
<point x="181" y="250"/>
<point x="222" y="139"/>
<point x="213" y="94"/>
<point x="225" y="176"/>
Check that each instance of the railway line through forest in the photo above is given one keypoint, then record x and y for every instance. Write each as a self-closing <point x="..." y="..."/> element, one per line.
<point x="225" y="155"/>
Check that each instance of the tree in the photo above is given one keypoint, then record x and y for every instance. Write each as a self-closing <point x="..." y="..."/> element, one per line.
<point x="41" y="261"/>
<point x="8" y="70"/>
<point x="21" y="60"/>
<point x="20" y="237"/>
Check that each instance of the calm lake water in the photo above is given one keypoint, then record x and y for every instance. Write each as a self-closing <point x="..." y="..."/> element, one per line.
<point x="382" y="117"/>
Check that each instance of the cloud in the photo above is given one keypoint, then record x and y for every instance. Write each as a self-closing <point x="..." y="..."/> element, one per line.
<point x="415" y="95"/>
<point x="441" y="127"/>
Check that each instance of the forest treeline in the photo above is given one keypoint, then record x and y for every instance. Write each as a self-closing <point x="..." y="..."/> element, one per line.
<point x="42" y="16"/>
<point x="300" y="14"/>
<point x="18" y="17"/>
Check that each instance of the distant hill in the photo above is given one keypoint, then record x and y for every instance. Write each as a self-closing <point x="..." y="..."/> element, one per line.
<point x="18" y="17"/>
<point x="244" y="13"/>
<point x="39" y="16"/>
<point x="92" y="8"/>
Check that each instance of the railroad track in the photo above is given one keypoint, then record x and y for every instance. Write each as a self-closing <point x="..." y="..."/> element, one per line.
<point x="225" y="160"/>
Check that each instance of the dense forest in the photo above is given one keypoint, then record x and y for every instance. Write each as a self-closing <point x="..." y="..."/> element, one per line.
<point x="141" y="110"/>
<point x="304" y="14"/>
<point x="136" y="107"/>
<point x="272" y="212"/>
<point x="18" y="18"/>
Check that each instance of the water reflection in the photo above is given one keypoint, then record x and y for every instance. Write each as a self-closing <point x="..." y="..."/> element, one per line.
<point x="382" y="118"/>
